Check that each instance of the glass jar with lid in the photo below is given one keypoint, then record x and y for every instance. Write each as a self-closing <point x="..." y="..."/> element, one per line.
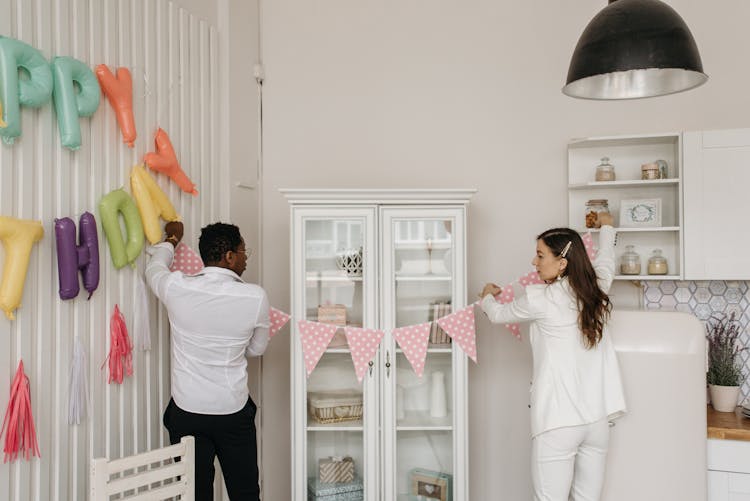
<point x="605" y="171"/>
<point x="630" y="261"/>
<point x="593" y="208"/>
<point x="657" y="264"/>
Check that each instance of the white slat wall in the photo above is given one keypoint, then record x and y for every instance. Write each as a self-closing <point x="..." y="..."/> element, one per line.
<point x="174" y="60"/>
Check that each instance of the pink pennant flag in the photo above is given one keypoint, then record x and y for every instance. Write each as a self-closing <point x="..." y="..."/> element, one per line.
<point x="530" y="279"/>
<point x="588" y="243"/>
<point x="186" y="260"/>
<point x="413" y="341"/>
<point x="315" y="339"/>
<point x="278" y="320"/>
<point x="461" y="328"/>
<point x="363" y="344"/>
<point x="506" y="296"/>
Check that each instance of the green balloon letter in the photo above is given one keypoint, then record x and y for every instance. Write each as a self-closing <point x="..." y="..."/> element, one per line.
<point x="110" y="207"/>
<point x="69" y="104"/>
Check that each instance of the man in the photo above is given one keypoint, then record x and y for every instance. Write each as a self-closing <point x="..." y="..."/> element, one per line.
<point x="216" y="321"/>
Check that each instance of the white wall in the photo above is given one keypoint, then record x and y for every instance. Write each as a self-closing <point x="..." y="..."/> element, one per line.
<point x="174" y="59"/>
<point x="455" y="94"/>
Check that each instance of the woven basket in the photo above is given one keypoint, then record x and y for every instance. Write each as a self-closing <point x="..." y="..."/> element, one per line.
<point x="335" y="407"/>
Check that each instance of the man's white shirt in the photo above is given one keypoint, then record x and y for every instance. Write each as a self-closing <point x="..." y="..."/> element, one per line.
<point x="217" y="320"/>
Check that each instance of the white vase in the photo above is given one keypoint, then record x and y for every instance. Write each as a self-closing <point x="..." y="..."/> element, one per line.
<point x="438" y="407"/>
<point x="724" y="398"/>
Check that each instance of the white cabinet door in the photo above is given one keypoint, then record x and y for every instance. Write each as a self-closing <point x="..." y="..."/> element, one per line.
<point x="715" y="187"/>
<point x="424" y="418"/>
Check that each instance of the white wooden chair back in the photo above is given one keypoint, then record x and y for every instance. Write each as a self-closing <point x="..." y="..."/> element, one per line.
<point x="152" y="475"/>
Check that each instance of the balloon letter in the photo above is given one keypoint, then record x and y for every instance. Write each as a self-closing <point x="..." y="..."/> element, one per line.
<point x="119" y="91"/>
<point x="17" y="235"/>
<point x="165" y="161"/>
<point x="33" y="92"/>
<point x="69" y="104"/>
<point x="111" y="205"/>
<point x="2" y="124"/>
<point x="152" y="203"/>
<point x="71" y="258"/>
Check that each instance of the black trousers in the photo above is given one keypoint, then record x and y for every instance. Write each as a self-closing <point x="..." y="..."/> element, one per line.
<point x="231" y="437"/>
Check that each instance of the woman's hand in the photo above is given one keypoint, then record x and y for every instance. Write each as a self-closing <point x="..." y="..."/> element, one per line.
<point x="490" y="289"/>
<point x="604" y="218"/>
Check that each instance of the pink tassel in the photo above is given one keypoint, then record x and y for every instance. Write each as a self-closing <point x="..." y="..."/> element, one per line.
<point x="21" y="434"/>
<point x="120" y="348"/>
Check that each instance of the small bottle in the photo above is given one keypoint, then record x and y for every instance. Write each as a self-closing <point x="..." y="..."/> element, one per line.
<point x="593" y="208"/>
<point x="630" y="262"/>
<point x="605" y="171"/>
<point x="657" y="264"/>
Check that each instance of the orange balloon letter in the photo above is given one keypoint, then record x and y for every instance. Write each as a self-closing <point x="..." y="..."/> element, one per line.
<point x="17" y="235"/>
<point x="119" y="92"/>
<point x="165" y="161"/>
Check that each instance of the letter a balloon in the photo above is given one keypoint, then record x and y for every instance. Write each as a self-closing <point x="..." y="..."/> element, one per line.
<point x="113" y="204"/>
<point x="18" y="236"/>
<point x="152" y="203"/>
<point x="165" y="161"/>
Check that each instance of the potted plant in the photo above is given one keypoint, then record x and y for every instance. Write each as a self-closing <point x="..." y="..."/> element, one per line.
<point x="724" y="376"/>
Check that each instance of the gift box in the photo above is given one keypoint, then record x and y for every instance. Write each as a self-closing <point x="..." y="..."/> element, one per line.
<point x="334" y="314"/>
<point x="336" y="469"/>
<point x="431" y="485"/>
<point x="317" y="488"/>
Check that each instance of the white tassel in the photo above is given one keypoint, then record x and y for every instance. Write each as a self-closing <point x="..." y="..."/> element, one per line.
<point x="141" y="322"/>
<point x="79" y="387"/>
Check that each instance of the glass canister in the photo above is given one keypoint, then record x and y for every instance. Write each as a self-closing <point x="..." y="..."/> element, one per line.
<point x="657" y="264"/>
<point x="593" y="208"/>
<point x="605" y="171"/>
<point x="663" y="169"/>
<point x="630" y="261"/>
<point x="650" y="171"/>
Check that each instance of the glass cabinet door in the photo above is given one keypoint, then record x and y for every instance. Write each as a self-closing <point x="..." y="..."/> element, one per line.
<point x="421" y="282"/>
<point x="337" y="413"/>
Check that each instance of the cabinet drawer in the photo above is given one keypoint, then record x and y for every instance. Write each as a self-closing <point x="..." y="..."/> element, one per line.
<point x="729" y="455"/>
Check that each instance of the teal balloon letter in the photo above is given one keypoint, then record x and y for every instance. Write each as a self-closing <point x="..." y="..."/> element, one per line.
<point x="14" y="92"/>
<point x="110" y="207"/>
<point x="69" y="104"/>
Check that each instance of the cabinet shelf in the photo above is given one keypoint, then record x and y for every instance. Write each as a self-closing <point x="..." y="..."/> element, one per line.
<point x="332" y="278"/>
<point x="421" y="421"/>
<point x="647" y="277"/>
<point x="423" y="278"/>
<point x="633" y="230"/>
<point x="628" y="183"/>
<point x="353" y="426"/>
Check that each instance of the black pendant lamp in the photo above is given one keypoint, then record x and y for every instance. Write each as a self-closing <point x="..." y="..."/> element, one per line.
<point x="633" y="49"/>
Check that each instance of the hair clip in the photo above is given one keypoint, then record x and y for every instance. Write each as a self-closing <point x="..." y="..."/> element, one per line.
<point x="566" y="249"/>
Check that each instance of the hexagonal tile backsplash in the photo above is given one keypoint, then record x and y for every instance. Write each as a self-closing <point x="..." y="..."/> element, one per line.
<point x="702" y="299"/>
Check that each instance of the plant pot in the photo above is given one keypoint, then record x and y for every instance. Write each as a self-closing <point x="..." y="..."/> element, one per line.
<point x="724" y="398"/>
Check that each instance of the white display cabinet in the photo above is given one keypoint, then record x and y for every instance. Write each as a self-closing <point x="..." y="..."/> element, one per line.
<point x="627" y="154"/>
<point x="413" y="265"/>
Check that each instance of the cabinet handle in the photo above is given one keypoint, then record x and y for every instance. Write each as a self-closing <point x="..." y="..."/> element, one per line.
<point x="370" y="363"/>
<point x="611" y="423"/>
<point x="388" y="363"/>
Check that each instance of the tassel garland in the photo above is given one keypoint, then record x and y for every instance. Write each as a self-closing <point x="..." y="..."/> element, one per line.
<point x="141" y="323"/>
<point x="120" y="350"/>
<point x="78" y="396"/>
<point x="18" y="424"/>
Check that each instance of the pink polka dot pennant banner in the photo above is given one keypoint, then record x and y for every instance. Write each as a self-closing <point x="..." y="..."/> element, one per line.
<point x="413" y="341"/>
<point x="506" y="296"/>
<point x="363" y="344"/>
<point x="530" y="279"/>
<point x="588" y="243"/>
<point x="461" y="328"/>
<point x="315" y="338"/>
<point x="186" y="260"/>
<point x="278" y="320"/>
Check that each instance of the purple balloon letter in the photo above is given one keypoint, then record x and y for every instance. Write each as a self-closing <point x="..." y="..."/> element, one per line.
<point x="72" y="257"/>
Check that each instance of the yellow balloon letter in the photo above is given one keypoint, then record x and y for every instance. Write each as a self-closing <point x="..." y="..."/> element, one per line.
<point x="152" y="203"/>
<point x="17" y="235"/>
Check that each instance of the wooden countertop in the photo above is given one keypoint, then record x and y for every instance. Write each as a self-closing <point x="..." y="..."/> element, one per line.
<point x="728" y="425"/>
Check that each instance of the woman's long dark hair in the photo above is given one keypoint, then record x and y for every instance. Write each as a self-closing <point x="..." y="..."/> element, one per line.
<point x="594" y="305"/>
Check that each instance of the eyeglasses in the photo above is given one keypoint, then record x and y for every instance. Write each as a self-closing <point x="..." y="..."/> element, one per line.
<point x="247" y="252"/>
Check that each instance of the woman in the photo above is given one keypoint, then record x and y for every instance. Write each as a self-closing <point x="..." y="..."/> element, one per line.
<point x="576" y="387"/>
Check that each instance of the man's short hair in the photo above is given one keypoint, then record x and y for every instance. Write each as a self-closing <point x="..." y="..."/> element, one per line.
<point x="216" y="240"/>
